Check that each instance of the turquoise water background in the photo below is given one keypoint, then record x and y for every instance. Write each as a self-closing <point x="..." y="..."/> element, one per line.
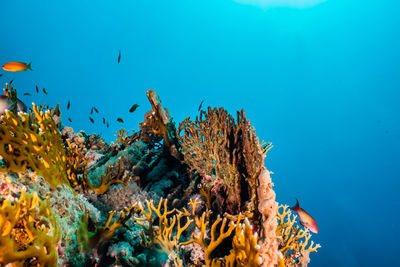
<point x="321" y="83"/>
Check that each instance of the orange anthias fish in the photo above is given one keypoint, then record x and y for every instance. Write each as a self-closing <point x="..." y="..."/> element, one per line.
<point x="305" y="219"/>
<point x="16" y="66"/>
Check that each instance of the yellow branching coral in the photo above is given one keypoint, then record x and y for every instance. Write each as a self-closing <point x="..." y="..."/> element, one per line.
<point x="121" y="135"/>
<point x="226" y="152"/>
<point x="76" y="164"/>
<point x="106" y="180"/>
<point x="28" y="230"/>
<point x="216" y="238"/>
<point x="105" y="233"/>
<point x="171" y="225"/>
<point x="124" y="139"/>
<point x="245" y="251"/>
<point x="33" y="142"/>
<point x="293" y="241"/>
<point x="161" y="235"/>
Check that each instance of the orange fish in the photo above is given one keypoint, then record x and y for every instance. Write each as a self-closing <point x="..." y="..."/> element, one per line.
<point x="16" y="66"/>
<point x="305" y="219"/>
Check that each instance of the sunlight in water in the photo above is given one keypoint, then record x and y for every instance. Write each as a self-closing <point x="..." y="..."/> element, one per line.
<point x="281" y="3"/>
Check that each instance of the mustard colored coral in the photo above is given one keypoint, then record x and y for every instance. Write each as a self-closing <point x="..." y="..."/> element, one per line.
<point x="32" y="142"/>
<point x="29" y="230"/>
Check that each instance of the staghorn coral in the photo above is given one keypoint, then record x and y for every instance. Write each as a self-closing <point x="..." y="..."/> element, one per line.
<point x="124" y="139"/>
<point x="293" y="241"/>
<point x="29" y="231"/>
<point x="32" y="142"/>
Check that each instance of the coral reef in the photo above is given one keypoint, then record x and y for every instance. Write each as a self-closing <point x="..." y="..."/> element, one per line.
<point x="198" y="195"/>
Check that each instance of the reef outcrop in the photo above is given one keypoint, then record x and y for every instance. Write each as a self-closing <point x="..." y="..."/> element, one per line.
<point x="193" y="195"/>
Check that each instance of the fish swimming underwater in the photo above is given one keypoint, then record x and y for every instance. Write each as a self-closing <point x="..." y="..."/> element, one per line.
<point x="305" y="219"/>
<point x="133" y="108"/>
<point x="6" y="103"/>
<point x="16" y="66"/>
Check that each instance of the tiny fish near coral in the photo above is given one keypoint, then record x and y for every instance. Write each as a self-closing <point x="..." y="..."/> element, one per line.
<point x="133" y="108"/>
<point x="305" y="219"/>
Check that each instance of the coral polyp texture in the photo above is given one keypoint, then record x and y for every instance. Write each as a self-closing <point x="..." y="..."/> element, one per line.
<point x="193" y="195"/>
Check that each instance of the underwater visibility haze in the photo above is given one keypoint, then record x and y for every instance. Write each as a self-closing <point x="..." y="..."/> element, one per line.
<point x="209" y="118"/>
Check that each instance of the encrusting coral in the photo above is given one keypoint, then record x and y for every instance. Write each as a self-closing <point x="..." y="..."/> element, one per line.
<point x="196" y="196"/>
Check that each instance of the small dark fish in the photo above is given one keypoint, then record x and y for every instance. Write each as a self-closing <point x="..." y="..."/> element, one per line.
<point x="133" y="108"/>
<point x="69" y="119"/>
<point x="69" y="104"/>
<point x="201" y="104"/>
<point x="10" y="82"/>
<point x="120" y="120"/>
<point x="37" y="89"/>
<point x="44" y="91"/>
<point x="91" y="119"/>
<point x="104" y="120"/>
<point x="107" y="125"/>
<point x="95" y="109"/>
<point x="27" y="94"/>
<point x="91" y="111"/>
<point x="1" y="74"/>
<point x="119" y="56"/>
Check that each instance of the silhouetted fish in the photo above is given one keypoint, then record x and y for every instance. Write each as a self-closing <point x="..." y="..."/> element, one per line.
<point x="91" y="119"/>
<point x="201" y="104"/>
<point x="107" y="125"/>
<point x="44" y="91"/>
<point x="1" y="74"/>
<point x="69" y="104"/>
<point x="120" y="120"/>
<point x="91" y="111"/>
<point x="69" y="119"/>
<point x="119" y="56"/>
<point x="95" y="109"/>
<point x="37" y="89"/>
<point x="133" y="108"/>
<point x="11" y="82"/>
<point x="27" y="94"/>
<point x="104" y="120"/>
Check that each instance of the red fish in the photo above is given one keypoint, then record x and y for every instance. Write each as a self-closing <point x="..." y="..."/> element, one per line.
<point x="16" y="66"/>
<point x="305" y="219"/>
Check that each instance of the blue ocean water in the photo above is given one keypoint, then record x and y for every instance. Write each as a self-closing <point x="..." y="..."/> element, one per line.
<point x="321" y="82"/>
